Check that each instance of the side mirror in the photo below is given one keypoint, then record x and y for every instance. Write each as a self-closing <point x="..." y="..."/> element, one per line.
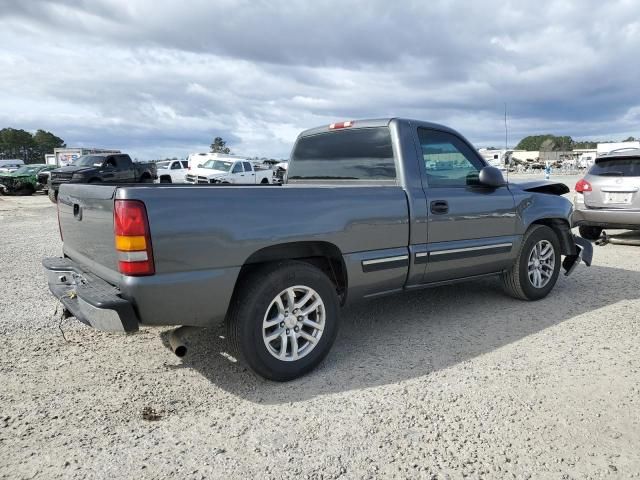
<point x="491" y="177"/>
<point x="199" y="165"/>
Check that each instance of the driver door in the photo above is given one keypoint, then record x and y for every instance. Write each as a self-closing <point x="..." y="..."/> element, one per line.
<point x="470" y="227"/>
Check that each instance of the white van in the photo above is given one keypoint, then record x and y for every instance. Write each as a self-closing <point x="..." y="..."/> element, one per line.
<point x="10" y="165"/>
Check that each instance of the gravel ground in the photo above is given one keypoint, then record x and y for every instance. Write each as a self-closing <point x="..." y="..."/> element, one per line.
<point x="444" y="383"/>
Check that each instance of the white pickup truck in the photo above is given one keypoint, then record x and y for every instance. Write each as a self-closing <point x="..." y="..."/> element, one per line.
<point x="172" y="171"/>
<point x="239" y="171"/>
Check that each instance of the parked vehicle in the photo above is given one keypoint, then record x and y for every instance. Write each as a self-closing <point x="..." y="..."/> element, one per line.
<point x="23" y="181"/>
<point x="172" y="171"/>
<point x="10" y="165"/>
<point x="238" y="171"/>
<point x="101" y="167"/>
<point x="363" y="214"/>
<point x="609" y="194"/>
<point x="280" y="171"/>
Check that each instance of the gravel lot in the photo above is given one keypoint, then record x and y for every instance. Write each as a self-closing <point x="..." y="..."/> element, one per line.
<point x="444" y="383"/>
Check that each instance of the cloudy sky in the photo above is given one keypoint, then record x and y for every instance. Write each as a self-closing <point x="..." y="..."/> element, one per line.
<point x="160" y="78"/>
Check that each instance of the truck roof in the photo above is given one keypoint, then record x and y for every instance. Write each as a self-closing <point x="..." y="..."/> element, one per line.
<point x="378" y="122"/>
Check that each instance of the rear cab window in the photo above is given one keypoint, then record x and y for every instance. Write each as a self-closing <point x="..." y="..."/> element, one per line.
<point x="616" y="167"/>
<point x="361" y="155"/>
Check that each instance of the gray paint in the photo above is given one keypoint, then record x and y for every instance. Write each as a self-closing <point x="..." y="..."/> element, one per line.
<point x="203" y="235"/>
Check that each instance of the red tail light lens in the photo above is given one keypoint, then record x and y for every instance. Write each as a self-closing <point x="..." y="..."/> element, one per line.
<point x="583" y="186"/>
<point x="132" y="238"/>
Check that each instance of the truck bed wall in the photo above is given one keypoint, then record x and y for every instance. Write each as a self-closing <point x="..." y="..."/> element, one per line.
<point x="203" y="235"/>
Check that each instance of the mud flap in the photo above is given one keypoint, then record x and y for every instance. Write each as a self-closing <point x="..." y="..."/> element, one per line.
<point x="584" y="253"/>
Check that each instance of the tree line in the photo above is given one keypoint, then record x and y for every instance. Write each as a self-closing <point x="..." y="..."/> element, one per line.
<point x="27" y="146"/>
<point x="553" y="143"/>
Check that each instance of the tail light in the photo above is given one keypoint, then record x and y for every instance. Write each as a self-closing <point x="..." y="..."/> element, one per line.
<point x="583" y="186"/>
<point x="132" y="238"/>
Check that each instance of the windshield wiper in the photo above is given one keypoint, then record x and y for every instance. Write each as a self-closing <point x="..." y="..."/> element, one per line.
<point x="612" y="173"/>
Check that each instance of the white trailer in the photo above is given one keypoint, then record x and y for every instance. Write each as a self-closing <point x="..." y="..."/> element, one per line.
<point x="65" y="156"/>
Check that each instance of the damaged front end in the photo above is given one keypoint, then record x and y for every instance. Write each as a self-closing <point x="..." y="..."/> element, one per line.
<point x="16" y="186"/>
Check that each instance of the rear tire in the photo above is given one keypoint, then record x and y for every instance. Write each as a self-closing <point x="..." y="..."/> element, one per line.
<point x="53" y="195"/>
<point x="260" y="328"/>
<point x="532" y="267"/>
<point x="590" y="233"/>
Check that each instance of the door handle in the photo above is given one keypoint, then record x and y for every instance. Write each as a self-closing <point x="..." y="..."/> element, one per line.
<point x="439" y="207"/>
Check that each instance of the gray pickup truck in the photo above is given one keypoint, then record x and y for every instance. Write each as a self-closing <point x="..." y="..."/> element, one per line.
<point x="369" y="208"/>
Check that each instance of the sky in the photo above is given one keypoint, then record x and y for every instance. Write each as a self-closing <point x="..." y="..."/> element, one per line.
<point x="160" y="78"/>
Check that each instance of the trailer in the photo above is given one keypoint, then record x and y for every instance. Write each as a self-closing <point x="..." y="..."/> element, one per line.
<point x="66" y="156"/>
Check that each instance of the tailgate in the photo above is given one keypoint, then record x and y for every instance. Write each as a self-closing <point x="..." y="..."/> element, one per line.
<point x="86" y="222"/>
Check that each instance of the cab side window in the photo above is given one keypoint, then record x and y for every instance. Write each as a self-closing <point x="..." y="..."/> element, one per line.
<point x="237" y="168"/>
<point x="449" y="162"/>
<point x="247" y="166"/>
<point x="176" y="166"/>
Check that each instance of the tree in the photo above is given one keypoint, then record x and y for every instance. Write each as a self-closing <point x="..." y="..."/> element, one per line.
<point x="219" y="146"/>
<point x="630" y="139"/>
<point x="45" y="142"/>
<point x="15" y="143"/>
<point x="546" y="142"/>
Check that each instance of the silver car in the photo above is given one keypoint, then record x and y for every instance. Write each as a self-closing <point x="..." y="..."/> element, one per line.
<point x="609" y="194"/>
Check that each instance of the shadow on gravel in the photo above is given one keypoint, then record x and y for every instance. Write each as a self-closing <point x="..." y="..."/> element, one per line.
<point x="392" y="339"/>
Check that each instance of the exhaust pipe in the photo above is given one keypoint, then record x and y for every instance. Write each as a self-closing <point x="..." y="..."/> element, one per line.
<point x="176" y="340"/>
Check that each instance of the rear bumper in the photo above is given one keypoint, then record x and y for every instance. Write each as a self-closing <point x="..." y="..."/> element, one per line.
<point x="601" y="217"/>
<point x="89" y="298"/>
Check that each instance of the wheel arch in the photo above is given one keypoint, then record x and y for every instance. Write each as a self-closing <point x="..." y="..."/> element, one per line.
<point x="562" y="229"/>
<point x="325" y="256"/>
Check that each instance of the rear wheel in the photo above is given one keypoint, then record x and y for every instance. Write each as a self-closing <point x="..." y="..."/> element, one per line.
<point x="283" y="320"/>
<point x="590" y="233"/>
<point x="165" y="179"/>
<point x="536" y="269"/>
<point x="53" y="195"/>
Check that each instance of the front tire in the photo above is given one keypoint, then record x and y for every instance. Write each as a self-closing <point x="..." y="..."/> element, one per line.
<point x="536" y="269"/>
<point x="283" y="320"/>
<point x="590" y="233"/>
<point x="53" y="195"/>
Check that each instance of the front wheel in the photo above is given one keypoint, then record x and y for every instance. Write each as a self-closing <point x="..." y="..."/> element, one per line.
<point x="283" y="320"/>
<point x="53" y="195"/>
<point x="536" y="269"/>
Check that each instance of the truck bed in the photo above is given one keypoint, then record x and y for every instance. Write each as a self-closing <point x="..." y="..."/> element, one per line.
<point x="203" y="234"/>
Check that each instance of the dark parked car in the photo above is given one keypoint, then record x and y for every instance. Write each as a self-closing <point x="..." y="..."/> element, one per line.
<point x="609" y="194"/>
<point x="370" y="208"/>
<point x="101" y="167"/>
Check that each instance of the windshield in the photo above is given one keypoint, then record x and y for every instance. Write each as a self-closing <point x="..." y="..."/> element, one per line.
<point x="617" y="167"/>
<point x="27" y="170"/>
<point x="89" y="161"/>
<point x="217" y="165"/>
<point x="163" y="165"/>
